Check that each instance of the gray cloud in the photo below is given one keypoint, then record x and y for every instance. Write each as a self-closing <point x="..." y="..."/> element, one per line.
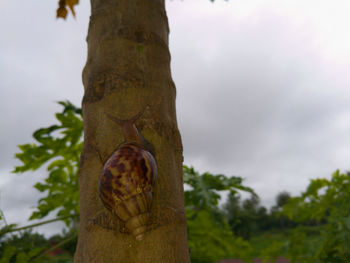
<point x="265" y="106"/>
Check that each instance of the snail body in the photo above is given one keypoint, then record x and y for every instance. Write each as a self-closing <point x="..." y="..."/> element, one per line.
<point x="127" y="180"/>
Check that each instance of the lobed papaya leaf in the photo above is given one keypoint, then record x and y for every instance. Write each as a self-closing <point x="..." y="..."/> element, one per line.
<point x="58" y="147"/>
<point x="205" y="188"/>
<point x="325" y="203"/>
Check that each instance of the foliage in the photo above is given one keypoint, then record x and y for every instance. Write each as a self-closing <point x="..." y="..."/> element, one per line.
<point x="21" y="248"/>
<point x="26" y="246"/>
<point x="66" y="237"/>
<point x="204" y="193"/>
<point x="326" y="204"/>
<point x="277" y="216"/>
<point x="269" y="242"/>
<point x="282" y="199"/>
<point x="59" y="146"/>
<point x="246" y="218"/>
<point x="210" y="242"/>
<point x="209" y="234"/>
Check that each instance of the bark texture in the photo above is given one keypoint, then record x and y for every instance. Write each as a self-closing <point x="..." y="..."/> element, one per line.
<point x="128" y="68"/>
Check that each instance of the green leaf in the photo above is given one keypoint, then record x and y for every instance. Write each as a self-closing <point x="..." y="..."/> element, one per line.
<point x="41" y="187"/>
<point x="206" y="187"/>
<point x="8" y="253"/>
<point x="57" y="146"/>
<point x="326" y="203"/>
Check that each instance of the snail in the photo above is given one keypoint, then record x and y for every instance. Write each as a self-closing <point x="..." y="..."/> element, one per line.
<point x="127" y="179"/>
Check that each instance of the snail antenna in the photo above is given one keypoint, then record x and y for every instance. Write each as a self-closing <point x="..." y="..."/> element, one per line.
<point x="130" y="132"/>
<point x="131" y="120"/>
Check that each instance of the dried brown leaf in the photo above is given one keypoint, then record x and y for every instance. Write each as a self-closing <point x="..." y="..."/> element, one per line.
<point x="62" y="10"/>
<point x="71" y="4"/>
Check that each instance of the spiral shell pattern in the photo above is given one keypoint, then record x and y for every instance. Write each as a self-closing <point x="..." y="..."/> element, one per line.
<point x="126" y="186"/>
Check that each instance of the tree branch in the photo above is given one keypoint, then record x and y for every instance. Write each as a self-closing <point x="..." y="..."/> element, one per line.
<point x="34" y="225"/>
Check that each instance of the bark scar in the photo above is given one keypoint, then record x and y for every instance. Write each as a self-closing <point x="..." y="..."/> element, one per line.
<point x="107" y="221"/>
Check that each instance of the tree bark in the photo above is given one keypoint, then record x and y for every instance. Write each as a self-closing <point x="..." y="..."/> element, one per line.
<point x="128" y="68"/>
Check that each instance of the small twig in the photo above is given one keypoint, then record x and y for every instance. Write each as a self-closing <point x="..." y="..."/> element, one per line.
<point x="47" y="251"/>
<point x="3" y="217"/>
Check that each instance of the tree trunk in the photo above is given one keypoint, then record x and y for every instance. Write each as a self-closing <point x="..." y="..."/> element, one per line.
<point x="128" y="68"/>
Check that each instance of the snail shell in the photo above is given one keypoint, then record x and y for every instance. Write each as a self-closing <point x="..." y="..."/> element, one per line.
<point x="127" y="179"/>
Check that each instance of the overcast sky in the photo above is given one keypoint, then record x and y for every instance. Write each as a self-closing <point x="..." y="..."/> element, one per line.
<point x="262" y="88"/>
